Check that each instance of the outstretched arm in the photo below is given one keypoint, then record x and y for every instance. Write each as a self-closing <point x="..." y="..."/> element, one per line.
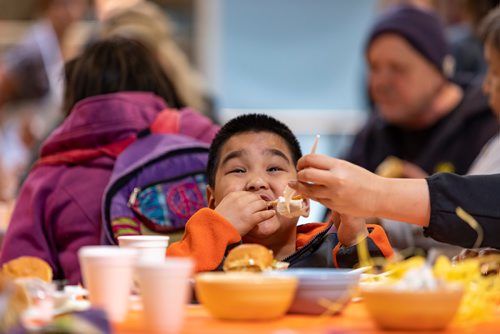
<point x="352" y="190"/>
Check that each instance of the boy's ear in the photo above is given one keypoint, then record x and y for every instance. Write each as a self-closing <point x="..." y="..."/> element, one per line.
<point x="210" y="197"/>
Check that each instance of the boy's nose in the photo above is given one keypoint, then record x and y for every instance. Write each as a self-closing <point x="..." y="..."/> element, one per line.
<point x="256" y="183"/>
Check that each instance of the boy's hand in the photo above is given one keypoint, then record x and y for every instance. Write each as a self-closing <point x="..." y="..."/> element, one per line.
<point x="244" y="210"/>
<point x="349" y="228"/>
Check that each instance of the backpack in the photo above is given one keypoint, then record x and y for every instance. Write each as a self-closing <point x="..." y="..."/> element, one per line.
<point x="158" y="182"/>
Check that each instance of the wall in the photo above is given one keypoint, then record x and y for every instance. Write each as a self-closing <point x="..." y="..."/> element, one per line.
<point x="300" y="61"/>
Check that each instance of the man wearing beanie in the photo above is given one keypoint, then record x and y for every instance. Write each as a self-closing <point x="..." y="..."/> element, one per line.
<point x="421" y="117"/>
<point x="429" y="123"/>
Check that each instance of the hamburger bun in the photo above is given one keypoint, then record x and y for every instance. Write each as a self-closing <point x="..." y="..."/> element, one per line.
<point x="27" y="267"/>
<point x="249" y="257"/>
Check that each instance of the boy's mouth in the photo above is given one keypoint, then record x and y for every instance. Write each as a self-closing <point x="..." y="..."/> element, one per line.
<point x="265" y="198"/>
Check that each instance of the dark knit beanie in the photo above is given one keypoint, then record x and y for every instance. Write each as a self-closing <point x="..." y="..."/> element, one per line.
<point x="422" y="29"/>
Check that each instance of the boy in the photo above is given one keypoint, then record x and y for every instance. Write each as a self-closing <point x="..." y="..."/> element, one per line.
<point x="251" y="160"/>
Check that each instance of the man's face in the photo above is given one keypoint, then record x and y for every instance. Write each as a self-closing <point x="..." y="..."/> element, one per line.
<point x="258" y="162"/>
<point x="402" y="83"/>
<point x="491" y="85"/>
<point x="66" y="12"/>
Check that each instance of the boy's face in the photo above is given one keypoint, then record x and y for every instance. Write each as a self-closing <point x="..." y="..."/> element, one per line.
<point x="258" y="162"/>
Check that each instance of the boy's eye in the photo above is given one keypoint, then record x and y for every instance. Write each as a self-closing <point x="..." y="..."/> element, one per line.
<point x="274" y="169"/>
<point x="237" y="170"/>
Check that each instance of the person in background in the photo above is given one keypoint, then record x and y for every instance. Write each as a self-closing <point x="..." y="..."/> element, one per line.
<point x="488" y="161"/>
<point x="421" y="117"/>
<point x="148" y="23"/>
<point x="31" y="84"/>
<point x="114" y="89"/>
<point x="464" y="39"/>
<point x="429" y="203"/>
<point x="423" y="122"/>
<point x="250" y="162"/>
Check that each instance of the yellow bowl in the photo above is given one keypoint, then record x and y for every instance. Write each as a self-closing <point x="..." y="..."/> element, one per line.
<point x="412" y="310"/>
<point x="245" y="296"/>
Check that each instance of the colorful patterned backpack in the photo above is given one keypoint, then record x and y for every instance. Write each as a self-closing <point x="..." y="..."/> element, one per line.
<point x="157" y="183"/>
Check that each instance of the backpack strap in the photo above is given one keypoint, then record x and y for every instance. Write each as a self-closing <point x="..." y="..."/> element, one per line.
<point x="167" y="121"/>
<point x="78" y="156"/>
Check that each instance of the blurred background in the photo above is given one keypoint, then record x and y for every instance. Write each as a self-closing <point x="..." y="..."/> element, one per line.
<point x="300" y="61"/>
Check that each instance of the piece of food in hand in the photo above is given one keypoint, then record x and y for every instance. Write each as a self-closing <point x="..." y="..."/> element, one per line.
<point x="28" y="267"/>
<point x="252" y="258"/>
<point x="390" y="167"/>
<point x="291" y="205"/>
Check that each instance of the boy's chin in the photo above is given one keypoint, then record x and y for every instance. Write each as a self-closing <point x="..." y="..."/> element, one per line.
<point x="265" y="229"/>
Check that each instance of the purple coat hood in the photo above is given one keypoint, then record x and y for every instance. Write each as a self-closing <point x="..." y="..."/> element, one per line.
<point x="59" y="207"/>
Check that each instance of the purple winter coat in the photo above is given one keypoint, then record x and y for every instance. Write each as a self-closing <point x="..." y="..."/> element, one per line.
<point x="59" y="207"/>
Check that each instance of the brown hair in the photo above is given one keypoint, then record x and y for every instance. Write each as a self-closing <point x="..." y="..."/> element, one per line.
<point x="489" y="29"/>
<point x="115" y="65"/>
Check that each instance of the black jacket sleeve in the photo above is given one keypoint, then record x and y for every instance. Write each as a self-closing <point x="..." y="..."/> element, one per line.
<point x="478" y="195"/>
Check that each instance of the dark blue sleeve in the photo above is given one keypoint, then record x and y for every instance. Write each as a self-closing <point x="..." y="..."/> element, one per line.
<point x="478" y="195"/>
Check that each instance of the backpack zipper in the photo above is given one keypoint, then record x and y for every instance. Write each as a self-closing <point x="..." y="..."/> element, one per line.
<point x="133" y="196"/>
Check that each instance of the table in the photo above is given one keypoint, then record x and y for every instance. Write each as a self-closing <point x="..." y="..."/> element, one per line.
<point x="354" y="319"/>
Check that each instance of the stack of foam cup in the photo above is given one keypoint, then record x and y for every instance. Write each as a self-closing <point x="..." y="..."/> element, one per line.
<point x="151" y="248"/>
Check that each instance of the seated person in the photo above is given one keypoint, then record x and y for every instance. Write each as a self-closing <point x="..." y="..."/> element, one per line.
<point x="114" y="90"/>
<point x="251" y="161"/>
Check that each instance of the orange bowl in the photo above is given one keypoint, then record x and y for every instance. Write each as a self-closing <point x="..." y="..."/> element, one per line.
<point x="245" y="296"/>
<point x="393" y="308"/>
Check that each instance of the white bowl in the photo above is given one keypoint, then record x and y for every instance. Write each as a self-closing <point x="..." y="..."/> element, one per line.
<point x="322" y="290"/>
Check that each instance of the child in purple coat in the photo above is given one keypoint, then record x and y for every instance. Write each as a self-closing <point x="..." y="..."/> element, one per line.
<point x="114" y="89"/>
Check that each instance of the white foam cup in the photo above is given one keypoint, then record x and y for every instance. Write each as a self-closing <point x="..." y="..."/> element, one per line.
<point x="165" y="291"/>
<point x="107" y="275"/>
<point x="150" y="247"/>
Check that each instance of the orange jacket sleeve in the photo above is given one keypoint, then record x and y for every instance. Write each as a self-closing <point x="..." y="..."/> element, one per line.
<point x="378" y="245"/>
<point x="206" y="239"/>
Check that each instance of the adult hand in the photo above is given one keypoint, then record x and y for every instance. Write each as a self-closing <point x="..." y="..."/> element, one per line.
<point x="338" y="185"/>
<point x="352" y="190"/>
<point x="244" y="210"/>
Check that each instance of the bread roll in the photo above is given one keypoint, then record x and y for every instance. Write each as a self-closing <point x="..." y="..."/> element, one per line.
<point x="249" y="257"/>
<point x="28" y="267"/>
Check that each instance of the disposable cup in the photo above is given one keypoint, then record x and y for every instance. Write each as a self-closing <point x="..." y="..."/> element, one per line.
<point x="149" y="247"/>
<point x="165" y="291"/>
<point x="107" y="275"/>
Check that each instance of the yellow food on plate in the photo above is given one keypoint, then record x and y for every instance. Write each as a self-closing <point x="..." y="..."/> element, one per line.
<point x="251" y="258"/>
<point x="28" y="267"/>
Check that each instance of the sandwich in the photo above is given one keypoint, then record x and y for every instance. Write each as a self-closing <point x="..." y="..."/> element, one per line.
<point x="251" y="258"/>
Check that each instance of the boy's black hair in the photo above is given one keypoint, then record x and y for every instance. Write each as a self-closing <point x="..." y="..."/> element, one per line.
<point x="249" y="123"/>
